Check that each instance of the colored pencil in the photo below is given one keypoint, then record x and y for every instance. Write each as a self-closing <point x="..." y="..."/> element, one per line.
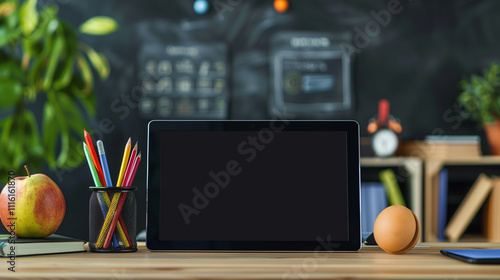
<point x="122" y="230"/>
<point x="104" y="163"/>
<point x="131" y="177"/>
<point x="107" y="178"/>
<point x="93" y="170"/>
<point x="93" y="155"/>
<point x="130" y="164"/>
<point x="95" y="177"/>
<point x="114" y="203"/>
<point x="107" y="223"/>
<point x="126" y="155"/>
<point x="104" y="199"/>
<point x="128" y="182"/>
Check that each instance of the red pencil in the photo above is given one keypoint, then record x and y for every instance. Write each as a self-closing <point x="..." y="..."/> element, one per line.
<point x="129" y="177"/>
<point x="134" y="170"/>
<point x="130" y="165"/>
<point x="94" y="157"/>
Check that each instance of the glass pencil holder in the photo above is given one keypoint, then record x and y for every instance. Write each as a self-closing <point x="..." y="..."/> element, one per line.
<point x="112" y="220"/>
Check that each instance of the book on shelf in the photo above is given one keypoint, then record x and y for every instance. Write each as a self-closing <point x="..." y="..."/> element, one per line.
<point x="446" y="146"/>
<point x="38" y="246"/>
<point x="364" y="211"/>
<point x="442" y="203"/>
<point x="491" y="221"/>
<point x="373" y="201"/>
<point x="453" y="139"/>
<point x="388" y="178"/>
<point x="469" y="207"/>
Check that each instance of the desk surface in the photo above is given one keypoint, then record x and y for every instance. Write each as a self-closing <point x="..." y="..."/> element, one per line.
<point x="424" y="262"/>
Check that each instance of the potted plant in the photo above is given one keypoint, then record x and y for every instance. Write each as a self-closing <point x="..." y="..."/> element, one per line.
<point x="481" y="98"/>
<point x="46" y="85"/>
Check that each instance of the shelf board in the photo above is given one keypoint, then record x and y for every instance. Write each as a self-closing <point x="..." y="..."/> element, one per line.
<point x="483" y="160"/>
<point x="386" y="162"/>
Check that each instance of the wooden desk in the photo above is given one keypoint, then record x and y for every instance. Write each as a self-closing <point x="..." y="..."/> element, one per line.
<point x="371" y="262"/>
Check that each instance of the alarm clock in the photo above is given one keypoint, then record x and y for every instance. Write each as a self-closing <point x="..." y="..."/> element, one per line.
<point x="385" y="142"/>
<point x="385" y="131"/>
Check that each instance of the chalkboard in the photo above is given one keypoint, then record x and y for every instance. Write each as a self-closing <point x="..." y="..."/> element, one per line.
<point x="414" y="53"/>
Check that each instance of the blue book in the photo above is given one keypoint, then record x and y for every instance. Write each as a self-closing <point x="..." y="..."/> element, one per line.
<point x="380" y="199"/>
<point x="373" y="201"/>
<point x="442" y="203"/>
<point x="364" y="210"/>
<point x="372" y="211"/>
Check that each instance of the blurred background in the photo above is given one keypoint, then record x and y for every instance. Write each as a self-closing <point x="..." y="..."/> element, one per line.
<point x="235" y="59"/>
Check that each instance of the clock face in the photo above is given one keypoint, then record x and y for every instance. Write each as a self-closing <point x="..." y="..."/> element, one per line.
<point x="385" y="142"/>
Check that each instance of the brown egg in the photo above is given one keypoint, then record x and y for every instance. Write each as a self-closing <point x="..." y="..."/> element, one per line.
<point x="396" y="229"/>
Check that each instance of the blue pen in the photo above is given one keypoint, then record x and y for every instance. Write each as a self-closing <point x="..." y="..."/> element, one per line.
<point x="104" y="163"/>
<point x="107" y="176"/>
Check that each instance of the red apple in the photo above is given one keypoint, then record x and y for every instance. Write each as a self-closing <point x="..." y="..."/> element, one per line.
<point x="38" y="209"/>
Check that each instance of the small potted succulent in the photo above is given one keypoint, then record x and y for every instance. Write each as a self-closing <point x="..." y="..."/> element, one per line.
<point x="481" y="98"/>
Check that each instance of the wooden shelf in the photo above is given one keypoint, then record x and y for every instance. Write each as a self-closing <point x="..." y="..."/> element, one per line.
<point x="414" y="172"/>
<point x="386" y="162"/>
<point x="484" y="160"/>
<point x="422" y="174"/>
<point x="432" y="169"/>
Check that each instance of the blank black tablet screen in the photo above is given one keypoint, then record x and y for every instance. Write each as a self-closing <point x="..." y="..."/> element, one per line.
<point x="253" y="185"/>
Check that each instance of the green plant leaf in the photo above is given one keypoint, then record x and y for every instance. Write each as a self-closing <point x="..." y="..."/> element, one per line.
<point x="4" y="36"/>
<point x="480" y="94"/>
<point x="35" y="73"/>
<point x="65" y="73"/>
<point x="76" y="125"/>
<point x="11" y="140"/>
<point x="50" y="132"/>
<point x="55" y="55"/>
<point x="12" y="19"/>
<point x="71" y="112"/>
<point x="5" y="123"/>
<point x="71" y="124"/>
<point x="29" y="16"/>
<point x="10" y="70"/>
<point x="99" y="62"/>
<point x="7" y="36"/>
<point x="10" y="93"/>
<point x="88" y="101"/>
<point x="75" y="156"/>
<point x="99" y="25"/>
<point x="7" y="8"/>
<point x="18" y="139"/>
<point x="86" y="74"/>
<point x="6" y="129"/>
<point x="36" y="70"/>
<point x="33" y="144"/>
<point x="63" y="125"/>
<point x="48" y="24"/>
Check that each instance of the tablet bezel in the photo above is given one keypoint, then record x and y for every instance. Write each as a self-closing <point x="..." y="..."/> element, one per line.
<point x="155" y="128"/>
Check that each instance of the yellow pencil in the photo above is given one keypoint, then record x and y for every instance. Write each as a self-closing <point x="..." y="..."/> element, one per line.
<point x="123" y="167"/>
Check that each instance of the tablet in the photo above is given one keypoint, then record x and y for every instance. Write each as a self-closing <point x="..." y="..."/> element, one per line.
<point x="274" y="185"/>
<point x="477" y="256"/>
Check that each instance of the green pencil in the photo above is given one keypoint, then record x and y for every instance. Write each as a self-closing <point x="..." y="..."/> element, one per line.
<point x="95" y="176"/>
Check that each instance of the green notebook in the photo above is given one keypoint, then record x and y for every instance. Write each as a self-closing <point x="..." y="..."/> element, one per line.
<point x="37" y="246"/>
